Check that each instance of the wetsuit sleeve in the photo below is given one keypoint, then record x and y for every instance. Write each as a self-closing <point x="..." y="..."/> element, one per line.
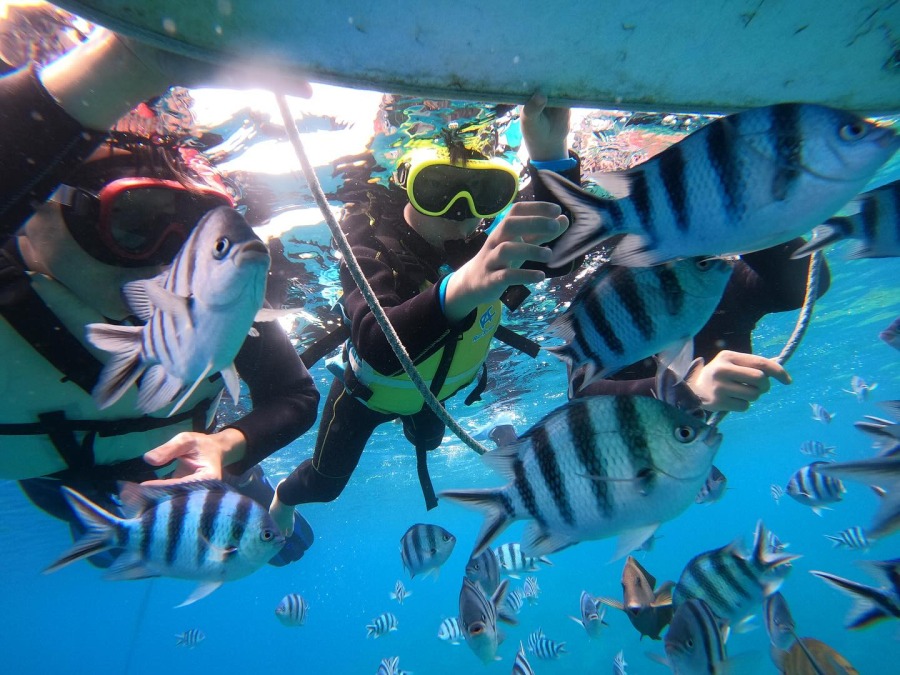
<point x="419" y="321"/>
<point x="39" y="143"/>
<point x="777" y="283"/>
<point x="284" y="395"/>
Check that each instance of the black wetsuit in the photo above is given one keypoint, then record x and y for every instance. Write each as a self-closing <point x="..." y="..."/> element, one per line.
<point x="40" y="144"/>
<point x="396" y="277"/>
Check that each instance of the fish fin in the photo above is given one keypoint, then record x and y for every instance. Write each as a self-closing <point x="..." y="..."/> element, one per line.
<point x="538" y="541"/>
<point x="632" y="540"/>
<point x="664" y="595"/>
<point x="590" y="222"/>
<point x="497" y="598"/>
<point x="102" y="530"/>
<point x="157" y="389"/>
<point x="127" y="567"/>
<point x="193" y="388"/>
<point x="503" y="435"/>
<point x="232" y="382"/>
<point x="611" y="603"/>
<point x="125" y="366"/>
<point x="496" y="519"/>
<point x="635" y="250"/>
<point x="149" y="295"/>
<point x="745" y="625"/>
<point x="545" y="560"/>
<point x="504" y="458"/>
<point x="136" y="498"/>
<point x="616" y="183"/>
<point x="202" y="590"/>
<point x="253" y="332"/>
<point x="268" y="314"/>
<point x="831" y="231"/>
<point x="866" y="609"/>
<point x="658" y="658"/>
<point x="887" y="518"/>
<point x="680" y="353"/>
<point x="578" y="621"/>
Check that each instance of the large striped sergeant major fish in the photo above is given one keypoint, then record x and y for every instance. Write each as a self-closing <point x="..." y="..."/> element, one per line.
<point x="201" y="530"/>
<point x="596" y="467"/>
<point x="742" y="183"/>
<point x="197" y="315"/>
<point x="478" y="616"/>
<point x="623" y="315"/>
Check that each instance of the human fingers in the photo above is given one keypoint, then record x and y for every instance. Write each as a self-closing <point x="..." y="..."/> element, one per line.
<point x="515" y="253"/>
<point x="169" y="451"/>
<point x="746" y="377"/>
<point x="535" y="105"/>
<point x="770" y="367"/>
<point x="199" y="474"/>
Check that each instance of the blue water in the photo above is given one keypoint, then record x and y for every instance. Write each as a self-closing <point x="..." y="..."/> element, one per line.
<point x="74" y="622"/>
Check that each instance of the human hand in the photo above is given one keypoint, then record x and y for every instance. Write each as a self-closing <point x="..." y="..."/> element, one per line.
<point x="282" y="514"/>
<point x="545" y="130"/>
<point x="733" y="380"/>
<point x="199" y="456"/>
<point x="497" y="265"/>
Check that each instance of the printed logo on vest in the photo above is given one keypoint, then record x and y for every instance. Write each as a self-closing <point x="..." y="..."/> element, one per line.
<point x="486" y="322"/>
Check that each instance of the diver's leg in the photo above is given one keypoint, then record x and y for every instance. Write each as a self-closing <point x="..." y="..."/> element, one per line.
<point x="425" y="431"/>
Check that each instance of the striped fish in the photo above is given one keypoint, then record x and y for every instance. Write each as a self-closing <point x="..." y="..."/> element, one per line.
<point x="814" y="489"/>
<point x="694" y="642"/>
<point x="852" y="538"/>
<point x="190" y="638"/>
<point x="779" y="622"/>
<point x="532" y="590"/>
<point x="870" y="604"/>
<point x="619" y="663"/>
<point x="883" y="470"/>
<point x="543" y="647"/>
<point x="819" y="414"/>
<point x="817" y="449"/>
<point x="478" y="615"/>
<point x="775" y="545"/>
<point x="381" y="625"/>
<point x="592" y="614"/>
<point x="391" y="666"/>
<point x="875" y="223"/>
<point x="777" y="492"/>
<point x="484" y="570"/>
<point x="860" y="388"/>
<point x="514" y="601"/>
<point x="400" y="593"/>
<point x="521" y="665"/>
<point x="203" y="530"/>
<point x="596" y="467"/>
<point x="449" y="631"/>
<point x="291" y="611"/>
<point x="622" y="315"/>
<point x="512" y="561"/>
<point x="732" y="583"/>
<point x="714" y="488"/>
<point x="424" y="548"/>
<point x="742" y="183"/>
<point x="198" y="314"/>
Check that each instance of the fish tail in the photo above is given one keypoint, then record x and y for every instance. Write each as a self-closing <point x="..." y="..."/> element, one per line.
<point x="868" y="601"/>
<point x="591" y="220"/>
<point x="102" y="530"/>
<point x="498" y="512"/>
<point x="833" y="230"/>
<point x="125" y="366"/>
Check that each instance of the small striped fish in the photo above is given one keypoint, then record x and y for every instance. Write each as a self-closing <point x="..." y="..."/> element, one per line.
<point x="622" y="315"/>
<point x="714" y="488"/>
<point x="484" y="570"/>
<point x="521" y="665"/>
<point x="779" y="622"/>
<point x="512" y="561"/>
<point x="514" y="601"/>
<point x="190" y="638"/>
<point x="198" y="314"/>
<point x="870" y="604"/>
<point x="592" y="613"/>
<point x="478" y="615"/>
<point x="860" y="388"/>
<point x="619" y="663"/>
<point x="875" y="224"/>
<point x="291" y="611"/>
<point x="532" y="590"/>
<point x="742" y="183"/>
<point x="775" y="544"/>
<point x="883" y="470"/>
<point x="815" y="489"/>
<point x="694" y="642"/>
<point x="596" y="467"/>
<point x="819" y="414"/>
<point x="202" y="530"/>
<point x="449" y="631"/>
<point x="852" y="538"/>
<point x="424" y="548"/>
<point x="391" y="666"/>
<point x="817" y="449"/>
<point x="732" y="583"/>
<point x="777" y="492"/>
<point x="381" y="625"/>
<point x="543" y="647"/>
<point x="400" y="593"/>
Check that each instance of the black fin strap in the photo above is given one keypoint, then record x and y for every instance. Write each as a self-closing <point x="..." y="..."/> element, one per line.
<point x="517" y="342"/>
<point x="424" y="478"/>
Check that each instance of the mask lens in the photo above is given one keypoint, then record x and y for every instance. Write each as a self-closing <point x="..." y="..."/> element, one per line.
<point x="434" y="188"/>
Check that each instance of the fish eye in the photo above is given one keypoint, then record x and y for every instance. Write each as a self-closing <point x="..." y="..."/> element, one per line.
<point x="267" y="535"/>
<point x="689" y="643"/>
<point x="703" y="264"/>
<point x="223" y="245"/>
<point x="445" y="537"/>
<point x="685" y="433"/>
<point x="852" y="131"/>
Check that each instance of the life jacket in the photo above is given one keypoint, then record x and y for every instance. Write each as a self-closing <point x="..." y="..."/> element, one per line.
<point x="49" y="418"/>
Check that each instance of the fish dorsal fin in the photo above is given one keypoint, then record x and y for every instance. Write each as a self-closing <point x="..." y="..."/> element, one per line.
<point x="136" y="498"/>
<point x="144" y="296"/>
<point x="504" y="459"/>
<point x="651" y="580"/>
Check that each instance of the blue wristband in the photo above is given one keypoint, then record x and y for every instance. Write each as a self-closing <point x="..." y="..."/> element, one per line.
<point x="442" y="291"/>
<point x="557" y="165"/>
